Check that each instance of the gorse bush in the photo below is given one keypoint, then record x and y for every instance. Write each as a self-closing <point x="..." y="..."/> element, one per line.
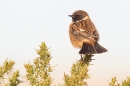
<point x="7" y="70"/>
<point x="78" y="75"/>
<point x="38" y="72"/>
<point x="115" y="83"/>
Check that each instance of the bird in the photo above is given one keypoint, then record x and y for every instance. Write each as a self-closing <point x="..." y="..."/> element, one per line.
<point x="84" y="35"/>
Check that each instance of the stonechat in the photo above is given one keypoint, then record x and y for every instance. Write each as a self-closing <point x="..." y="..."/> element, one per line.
<point x="83" y="34"/>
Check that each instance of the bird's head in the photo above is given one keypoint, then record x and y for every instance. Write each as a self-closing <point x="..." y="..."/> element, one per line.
<point x="78" y="15"/>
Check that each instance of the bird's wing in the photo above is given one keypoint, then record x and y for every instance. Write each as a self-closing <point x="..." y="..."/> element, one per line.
<point x="87" y="29"/>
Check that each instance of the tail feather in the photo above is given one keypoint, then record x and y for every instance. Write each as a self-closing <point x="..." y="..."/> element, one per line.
<point x="88" y="49"/>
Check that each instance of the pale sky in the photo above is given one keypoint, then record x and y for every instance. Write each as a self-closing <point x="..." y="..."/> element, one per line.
<point x="24" y="24"/>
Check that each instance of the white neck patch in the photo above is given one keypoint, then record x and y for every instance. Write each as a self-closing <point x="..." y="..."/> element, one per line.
<point x="85" y="18"/>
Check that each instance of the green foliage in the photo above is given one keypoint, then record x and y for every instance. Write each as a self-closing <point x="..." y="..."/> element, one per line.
<point x="6" y="68"/>
<point x="38" y="73"/>
<point x="6" y="71"/>
<point x="78" y="73"/>
<point x="13" y="80"/>
<point x="115" y="83"/>
<point x="126" y="82"/>
<point x="86" y="59"/>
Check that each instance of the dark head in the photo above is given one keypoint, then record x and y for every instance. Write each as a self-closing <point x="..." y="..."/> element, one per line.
<point x="78" y="15"/>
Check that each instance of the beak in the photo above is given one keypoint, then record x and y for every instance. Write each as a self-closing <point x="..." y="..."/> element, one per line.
<point x="70" y="15"/>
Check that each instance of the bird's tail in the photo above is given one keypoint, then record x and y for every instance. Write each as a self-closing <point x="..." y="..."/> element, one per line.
<point x="88" y="49"/>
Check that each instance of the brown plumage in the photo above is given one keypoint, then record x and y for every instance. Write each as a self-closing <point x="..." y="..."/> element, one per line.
<point x="83" y="34"/>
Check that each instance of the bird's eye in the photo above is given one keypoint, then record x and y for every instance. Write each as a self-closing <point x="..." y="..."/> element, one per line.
<point x="78" y="16"/>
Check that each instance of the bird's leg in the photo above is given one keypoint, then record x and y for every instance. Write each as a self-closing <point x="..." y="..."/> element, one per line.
<point x="81" y="59"/>
<point x="81" y="55"/>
